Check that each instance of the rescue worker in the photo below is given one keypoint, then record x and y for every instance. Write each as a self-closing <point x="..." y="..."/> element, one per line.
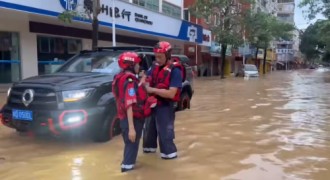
<point x="133" y="106"/>
<point x="165" y="83"/>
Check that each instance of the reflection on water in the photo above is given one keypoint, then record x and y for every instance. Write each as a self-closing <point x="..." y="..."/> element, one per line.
<point x="273" y="128"/>
<point x="77" y="162"/>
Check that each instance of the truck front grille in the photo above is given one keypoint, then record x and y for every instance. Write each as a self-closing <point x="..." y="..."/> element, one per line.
<point x="43" y="98"/>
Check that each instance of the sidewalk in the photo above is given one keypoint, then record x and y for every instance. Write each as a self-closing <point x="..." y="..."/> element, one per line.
<point x="3" y="99"/>
<point x="4" y="88"/>
<point x="3" y="93"/>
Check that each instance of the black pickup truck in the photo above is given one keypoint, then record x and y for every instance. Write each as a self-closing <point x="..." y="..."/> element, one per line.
<point x="77" y="98"/>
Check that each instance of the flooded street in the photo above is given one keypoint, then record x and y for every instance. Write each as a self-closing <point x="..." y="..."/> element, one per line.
<point x="274" y="128"/>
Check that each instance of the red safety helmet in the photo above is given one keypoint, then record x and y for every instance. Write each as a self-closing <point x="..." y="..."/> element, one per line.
<point x="163" y="47"/>
<point x="128" y="60"/>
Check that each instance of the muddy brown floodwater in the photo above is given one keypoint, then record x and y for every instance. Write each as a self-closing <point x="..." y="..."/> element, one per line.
<point x="274" y="128"/>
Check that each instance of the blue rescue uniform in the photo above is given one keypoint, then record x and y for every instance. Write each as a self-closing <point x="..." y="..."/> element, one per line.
<point x="161" y="123"/>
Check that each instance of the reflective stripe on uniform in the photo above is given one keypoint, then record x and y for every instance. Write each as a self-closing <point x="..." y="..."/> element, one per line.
<point x="172" y="155"/>
<point x="124" y="166"/>
<point x="150" y="149"/>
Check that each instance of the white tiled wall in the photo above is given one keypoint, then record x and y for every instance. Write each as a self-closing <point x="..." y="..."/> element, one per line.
<point x="18" y="22"/>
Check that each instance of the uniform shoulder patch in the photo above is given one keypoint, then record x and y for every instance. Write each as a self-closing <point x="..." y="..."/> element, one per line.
<point x="131" y="92"/>
<point x="130" y="80"/>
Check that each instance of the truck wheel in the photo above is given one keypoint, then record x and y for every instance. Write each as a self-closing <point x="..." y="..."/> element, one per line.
<point x="109" y="128"/>
<point x="184" y="102"/>
<point x="20" y="128"/>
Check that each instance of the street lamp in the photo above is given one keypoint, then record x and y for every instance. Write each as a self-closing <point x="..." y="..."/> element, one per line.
<point x="113" y="24"/>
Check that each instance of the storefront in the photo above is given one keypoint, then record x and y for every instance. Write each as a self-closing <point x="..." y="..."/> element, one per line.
<point x="215" y="57"/>
<point x="199" y="54"/>
<point x="9" y="57"/>
<point x="34" y="40"/>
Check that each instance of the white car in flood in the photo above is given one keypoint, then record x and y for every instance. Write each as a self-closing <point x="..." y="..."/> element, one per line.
<point x="250" y="70"/>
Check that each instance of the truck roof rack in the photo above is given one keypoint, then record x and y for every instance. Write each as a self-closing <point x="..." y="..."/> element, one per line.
<point x="85" y="51"/>
<point x="127" y="48"/>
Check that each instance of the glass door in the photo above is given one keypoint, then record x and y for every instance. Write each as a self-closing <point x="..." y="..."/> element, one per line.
<point x="9" y="57"/>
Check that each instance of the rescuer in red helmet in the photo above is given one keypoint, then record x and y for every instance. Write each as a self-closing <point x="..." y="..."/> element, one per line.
<point x="165" y="83"/>
<point x="133" y="106"/>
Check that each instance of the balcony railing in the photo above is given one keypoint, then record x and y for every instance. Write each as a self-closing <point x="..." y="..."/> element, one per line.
<point x="284" y="51"/>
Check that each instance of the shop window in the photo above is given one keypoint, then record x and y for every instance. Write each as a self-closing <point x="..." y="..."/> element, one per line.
<point x="44" y="45"/>
<point x="148" y="4"/>
<point x="74" y="46"/>
<point x="136" y="2"/>
<point x="186" y="15"/>
<point x="54" y="51"/>
<point x="152" y="5"/>
<point x="139" y="2"/>
<point x="171" y="10"/>
<point x="10" y="64"/>
<point x="285" y="1"/>
<point x="59" y="45"/>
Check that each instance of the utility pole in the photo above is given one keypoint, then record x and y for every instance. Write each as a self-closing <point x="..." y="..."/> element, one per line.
<point x="286" y="61"/>
<point x="95" y="24"/>
<point x="113" y="24"/>
<point x="286" y="56"/>
<point x="244" y="47"/>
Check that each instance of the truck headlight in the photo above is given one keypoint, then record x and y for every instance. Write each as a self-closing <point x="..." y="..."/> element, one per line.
<point x="8" y="92"/>
<point x="76" y="95"/>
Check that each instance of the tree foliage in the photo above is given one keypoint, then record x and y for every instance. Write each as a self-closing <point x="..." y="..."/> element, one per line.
<point x="225" y="18"/>
<point x="262" y="28"/>
<point x="315" y="7"/>
<point x="324" y="33"/>
<point x="258" y="33"/>
<point x="315" y="40"/>
<point x="83" y="11"/>
<point x="89" y="11"/>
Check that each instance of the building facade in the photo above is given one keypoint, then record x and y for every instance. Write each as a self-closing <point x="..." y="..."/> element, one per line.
<point x="208" y="57"/>
<point x="266" y="6"/>
<point x="200" y="55"/>
<point x="286" y="49"/>
<point x="33" y="41"/>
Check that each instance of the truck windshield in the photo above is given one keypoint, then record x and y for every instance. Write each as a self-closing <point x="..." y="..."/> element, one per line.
<point x="93" y="62"/>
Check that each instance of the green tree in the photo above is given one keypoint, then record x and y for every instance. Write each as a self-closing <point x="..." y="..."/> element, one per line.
<point x="324" y="33"/>
<point x="315" y="41"/>
<point x="258" y="31"/>
<point x="263" y="28"/>
<point x="315" y="7"/>
<point x="317" y="34"/>
<point x="91" y="11"/>
<point x="225" y="19"/>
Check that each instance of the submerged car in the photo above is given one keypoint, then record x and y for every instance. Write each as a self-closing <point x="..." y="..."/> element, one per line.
<point x="249" y="70"/>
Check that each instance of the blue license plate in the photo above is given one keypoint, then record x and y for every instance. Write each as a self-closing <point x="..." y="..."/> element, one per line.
<point x="22" y="115"/>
